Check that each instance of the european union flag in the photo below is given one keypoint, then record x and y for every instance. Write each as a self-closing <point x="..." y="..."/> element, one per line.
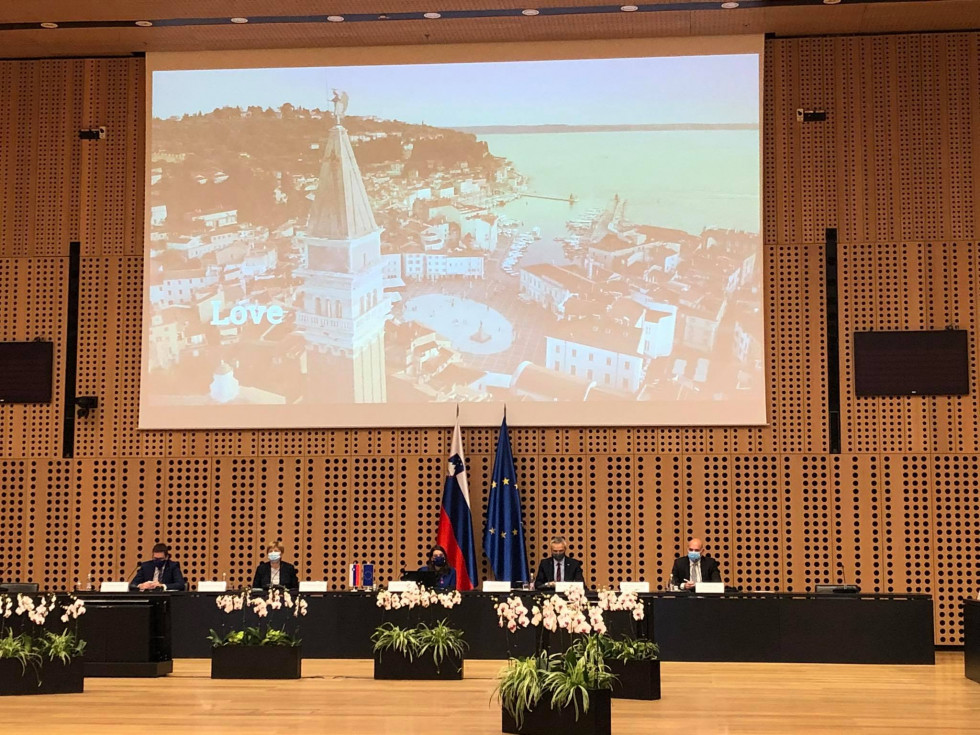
<point x="503" y="535"/>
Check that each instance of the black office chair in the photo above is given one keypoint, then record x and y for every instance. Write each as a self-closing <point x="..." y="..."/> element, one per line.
<point x="13" y="588"/>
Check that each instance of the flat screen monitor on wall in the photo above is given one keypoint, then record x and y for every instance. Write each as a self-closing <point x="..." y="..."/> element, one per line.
<point x="912" y="363"/>
<point x="371" y="237"/>
<point x="26" y="372"/>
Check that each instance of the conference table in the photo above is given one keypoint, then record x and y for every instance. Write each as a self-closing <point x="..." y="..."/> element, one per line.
<point x="126" y="634"/>
<point x="971" y="639"/>
<point x="764" y="627"/>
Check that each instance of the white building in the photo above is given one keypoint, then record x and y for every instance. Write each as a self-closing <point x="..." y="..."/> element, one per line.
<point x="551" y="286"/>
<point x="214" y="220"/>
<point x="598" y="351"/>
<point x="158" y="215"/>
<point x="178" y="287"/>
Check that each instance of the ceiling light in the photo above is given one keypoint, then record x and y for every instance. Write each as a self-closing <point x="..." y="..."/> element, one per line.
<point x="432" y="16"/>
<point x="530" y="11"/>
<point x="729" y="5"/>
<point x="335" y="18"/>
<point x="49" y="25"/>
<point x="629" y="8"/>
<point x="144" y="23"/>
<point x="831" y="2"/>
<point x="239" y="20"/>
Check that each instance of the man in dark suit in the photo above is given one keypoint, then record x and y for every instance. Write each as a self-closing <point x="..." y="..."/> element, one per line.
<point x="558" y="567"/>
<point x="160" y="573"/>
<point x="693" y="568"/>
<point x="275" y="572"/>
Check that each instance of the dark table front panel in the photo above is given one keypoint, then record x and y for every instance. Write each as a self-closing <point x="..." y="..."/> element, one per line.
<point x="716" y="628"/>
<point x="126" y="628"/>
<point x="834" y="629"/>
<point x="773" y="627"/>
<point x="971" y="639"/>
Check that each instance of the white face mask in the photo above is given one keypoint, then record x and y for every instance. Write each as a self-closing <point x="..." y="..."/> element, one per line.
<point x="274" y="556"/>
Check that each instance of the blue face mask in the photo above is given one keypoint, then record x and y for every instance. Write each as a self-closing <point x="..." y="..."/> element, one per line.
<point x="274" y="556"/>
<point x="694" y="555"/>
<point x="438" y="561"/>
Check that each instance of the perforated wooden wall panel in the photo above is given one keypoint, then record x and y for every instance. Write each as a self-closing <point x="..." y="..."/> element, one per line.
<point x="894" y="168"/>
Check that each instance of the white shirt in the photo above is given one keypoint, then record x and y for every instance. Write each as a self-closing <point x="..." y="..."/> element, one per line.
<point x="695" y="574"/>
<point x="275" y="575"/>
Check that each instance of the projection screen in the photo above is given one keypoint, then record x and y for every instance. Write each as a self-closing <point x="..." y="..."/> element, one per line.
<point x="375" y="236"/>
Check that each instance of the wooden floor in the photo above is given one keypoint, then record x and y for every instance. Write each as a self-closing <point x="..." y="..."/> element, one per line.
<point x="341" y="697"/>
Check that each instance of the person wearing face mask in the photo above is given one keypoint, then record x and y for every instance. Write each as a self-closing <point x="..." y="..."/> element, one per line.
<point x="693" y="568"/>
<point x="559" y="567"/>
<point x="274" y="572"/>
<point x="438" y="563"/>
<point x="160" y="573"/>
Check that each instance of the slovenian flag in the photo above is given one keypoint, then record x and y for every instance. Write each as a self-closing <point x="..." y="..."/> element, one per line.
<point x="456" y="520"/>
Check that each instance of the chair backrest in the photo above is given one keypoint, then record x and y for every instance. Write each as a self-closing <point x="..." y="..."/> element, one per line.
<point x="18" y="587"/>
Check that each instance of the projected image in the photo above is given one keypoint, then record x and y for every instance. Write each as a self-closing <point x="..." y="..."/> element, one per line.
<point x="549" y="231"/>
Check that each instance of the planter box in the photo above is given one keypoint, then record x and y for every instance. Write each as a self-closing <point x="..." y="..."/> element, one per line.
<point x="543" y="720"/>
<point x="635" y="679"/>
<point x="256" y="662"/>
<point x="55" y="677"/>
<point x="393" y="665"/>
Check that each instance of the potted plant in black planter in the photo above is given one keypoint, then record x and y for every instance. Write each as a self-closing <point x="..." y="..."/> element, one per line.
<point x="632" y="658"/>
<point x="39" y="661"/>
<point x="635" y="662"/>
<point x="262" y="651"/>
<point x="422" y="651"/>
<point x="565" y="692"/>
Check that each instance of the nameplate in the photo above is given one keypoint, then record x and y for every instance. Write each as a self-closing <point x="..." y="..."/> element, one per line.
<point x="709" y="588"/>
<point x="312" y="586"/>
<point x="568" y="586"/>
<point x="495" y="586"/>
<point x="634" y="587"/>
<point x="212" y="586"/>
<point x="399" y="586"/>
<point x="114" y="587"/>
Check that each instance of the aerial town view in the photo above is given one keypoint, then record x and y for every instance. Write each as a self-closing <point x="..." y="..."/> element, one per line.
<point x="331" y="253"/>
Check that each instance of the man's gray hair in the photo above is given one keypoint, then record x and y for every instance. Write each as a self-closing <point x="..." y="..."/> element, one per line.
<point x="559" y="540"/>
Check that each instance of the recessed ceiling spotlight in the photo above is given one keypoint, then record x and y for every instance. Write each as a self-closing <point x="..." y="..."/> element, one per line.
<point x="49" y="25"/>
<point x="729" y="5"/>
<point x="238" y="20"/>
<point x="530" y="11"/>
<point x="432" y="16"/>
<point x="144" y="23"/>
<point x="335" y="18"/>
<point x="629" y="8"/>
<point x="831" y="2"/>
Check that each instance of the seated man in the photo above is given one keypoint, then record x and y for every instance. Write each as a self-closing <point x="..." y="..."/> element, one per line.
<point x="693" y="568"/>
<point x="558" y="567"/>
<point x="160" y="573"/>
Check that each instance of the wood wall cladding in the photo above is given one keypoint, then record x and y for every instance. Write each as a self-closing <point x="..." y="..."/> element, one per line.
<point x="894" y="168"/>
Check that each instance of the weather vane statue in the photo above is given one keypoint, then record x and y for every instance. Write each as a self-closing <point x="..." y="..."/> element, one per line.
<point x="339" y="100"/>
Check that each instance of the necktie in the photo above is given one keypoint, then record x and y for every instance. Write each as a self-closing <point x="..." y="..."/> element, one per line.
<point x="156" y="574"/>
<point x="558" y="570"/>
<point x="696" y="572"/>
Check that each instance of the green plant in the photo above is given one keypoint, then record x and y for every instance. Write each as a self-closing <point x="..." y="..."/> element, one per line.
<point x="576" y="672"/>
<point x="520" y="685"/>
<point x="253" y="636"/>
<point x="441" y="640"/>
<point x="391" y="637"/>
<point x="276" y="637"/>
<point x="632" y="649"/>
<point x="21" y="648"/>
<point x="62" y="646"/>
